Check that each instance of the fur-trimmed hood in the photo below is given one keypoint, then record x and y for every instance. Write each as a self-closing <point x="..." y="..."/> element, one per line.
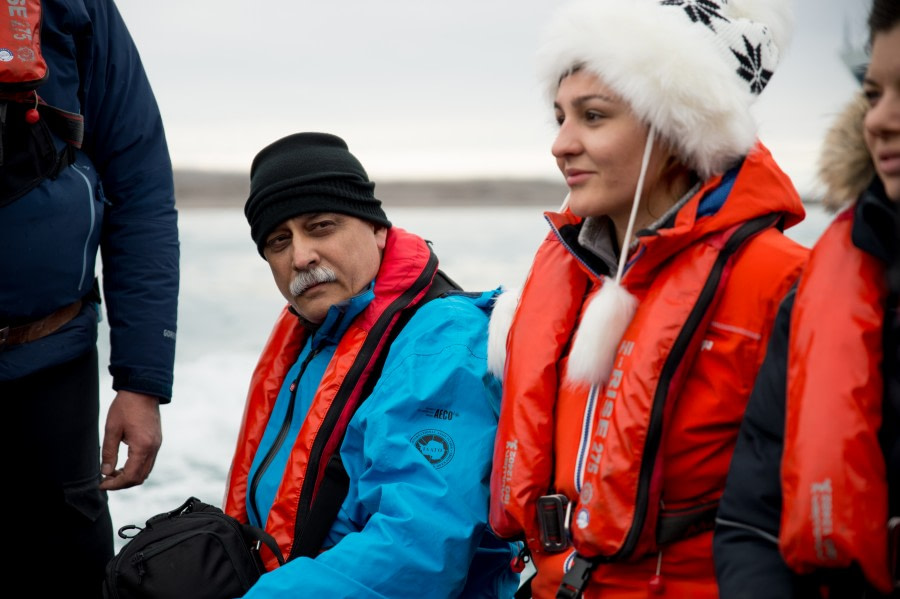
<point x="845" y="165"/>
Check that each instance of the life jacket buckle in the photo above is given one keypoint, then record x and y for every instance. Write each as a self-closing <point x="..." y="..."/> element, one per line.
<point x="576" y="578"/>
<point x="554" y="515"/>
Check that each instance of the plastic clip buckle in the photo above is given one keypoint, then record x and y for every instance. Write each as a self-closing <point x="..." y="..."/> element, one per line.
<point x="576" y="579"/>
<point x="554" y="512"/>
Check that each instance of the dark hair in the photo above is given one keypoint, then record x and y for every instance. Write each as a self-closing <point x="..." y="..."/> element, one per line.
<point x="885" y="14"/>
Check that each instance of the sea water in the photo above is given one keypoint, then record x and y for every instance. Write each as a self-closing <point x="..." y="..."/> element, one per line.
<point x="228" y="303"/>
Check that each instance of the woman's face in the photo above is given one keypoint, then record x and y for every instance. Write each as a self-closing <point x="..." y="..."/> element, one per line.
<point x="882" y="124"/>
<point x="599" y="149"/>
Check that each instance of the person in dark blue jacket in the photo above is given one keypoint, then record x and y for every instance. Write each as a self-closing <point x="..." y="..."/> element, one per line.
<point x="115" y="193"/>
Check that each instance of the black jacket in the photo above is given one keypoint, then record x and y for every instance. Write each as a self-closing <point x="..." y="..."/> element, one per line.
<point x="748" y="562"/>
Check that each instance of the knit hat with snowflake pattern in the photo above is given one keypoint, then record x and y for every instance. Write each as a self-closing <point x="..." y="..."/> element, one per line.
<point x="303" y="173"/>
<point x="690" y="68"/>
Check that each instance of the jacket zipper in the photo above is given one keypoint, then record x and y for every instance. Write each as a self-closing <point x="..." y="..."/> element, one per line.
<point x="638" y="253"/>
<point x="282" y="435"/>
<point x="587" y="431"/>
<point x="87" y="241"/>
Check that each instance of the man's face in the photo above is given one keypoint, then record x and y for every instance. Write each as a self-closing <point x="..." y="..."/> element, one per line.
<point x="321" y="259"/>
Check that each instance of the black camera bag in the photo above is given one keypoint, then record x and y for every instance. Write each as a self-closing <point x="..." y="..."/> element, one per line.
<point x="195" y="551"/>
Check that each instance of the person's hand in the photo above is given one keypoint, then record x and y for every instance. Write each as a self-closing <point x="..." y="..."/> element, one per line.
<point x="133" y="419"/>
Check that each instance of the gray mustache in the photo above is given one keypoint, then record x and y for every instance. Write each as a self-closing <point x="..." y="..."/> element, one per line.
<point x="307" y="278"/>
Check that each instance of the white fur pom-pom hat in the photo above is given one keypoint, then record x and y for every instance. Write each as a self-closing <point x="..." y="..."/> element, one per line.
<point x="689" y="68"/>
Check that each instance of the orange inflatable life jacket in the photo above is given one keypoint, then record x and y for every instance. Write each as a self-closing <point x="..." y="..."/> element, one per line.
<point x="23" y="66"/>
<point x="663" y="427"/>
<point x="27" y="151"/>
<point x="407" y="271"/>
<point x="834" y="486"/>
<point x="666" y="335"/>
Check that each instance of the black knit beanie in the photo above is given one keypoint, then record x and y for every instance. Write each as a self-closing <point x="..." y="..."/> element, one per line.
<point x="303" y="173"/>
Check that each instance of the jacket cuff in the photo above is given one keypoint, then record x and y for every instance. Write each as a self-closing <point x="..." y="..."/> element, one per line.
<point x="147" y="386"/>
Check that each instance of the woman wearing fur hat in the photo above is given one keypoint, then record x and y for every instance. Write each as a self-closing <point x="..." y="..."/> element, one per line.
<point x="629" y="356"/>
<point x="812" y="501"/>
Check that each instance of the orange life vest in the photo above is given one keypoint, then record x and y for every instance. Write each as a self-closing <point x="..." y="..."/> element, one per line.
<point x="623" y="450"/>
<point x="833" y="470"/>
<point x="406" y="273"/>
<point x="623" y="474"/>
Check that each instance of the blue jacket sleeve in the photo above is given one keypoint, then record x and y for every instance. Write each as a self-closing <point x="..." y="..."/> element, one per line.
<point x="745" y="545"/>
<point x="418" y="456"/>
<point x="125" y="139"/>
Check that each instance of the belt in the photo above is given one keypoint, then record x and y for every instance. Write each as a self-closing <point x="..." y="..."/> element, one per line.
<point x="39" y="328"/>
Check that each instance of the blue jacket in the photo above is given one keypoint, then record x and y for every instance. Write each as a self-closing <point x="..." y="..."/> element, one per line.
<point x="418" y="454"/>
<point x="118" y="196"/>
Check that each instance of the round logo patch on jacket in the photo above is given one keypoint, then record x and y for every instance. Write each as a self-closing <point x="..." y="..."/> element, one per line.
<point x="437" y="446"/>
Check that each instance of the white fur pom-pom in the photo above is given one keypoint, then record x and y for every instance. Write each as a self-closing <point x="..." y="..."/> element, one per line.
<point x="599" y="334"/>
<point x="498" y="329"/>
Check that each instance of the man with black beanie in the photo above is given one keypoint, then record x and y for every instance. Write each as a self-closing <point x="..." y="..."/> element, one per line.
<point x="367" y="437"/>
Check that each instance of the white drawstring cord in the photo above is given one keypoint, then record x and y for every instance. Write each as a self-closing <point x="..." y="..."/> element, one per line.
<point x="623" y="252"/>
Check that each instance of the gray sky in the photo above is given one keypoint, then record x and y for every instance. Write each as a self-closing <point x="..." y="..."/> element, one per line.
<point x="419" y="88"/>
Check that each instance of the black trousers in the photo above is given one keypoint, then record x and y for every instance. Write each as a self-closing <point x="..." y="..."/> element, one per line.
<point x="62" y="532"/>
